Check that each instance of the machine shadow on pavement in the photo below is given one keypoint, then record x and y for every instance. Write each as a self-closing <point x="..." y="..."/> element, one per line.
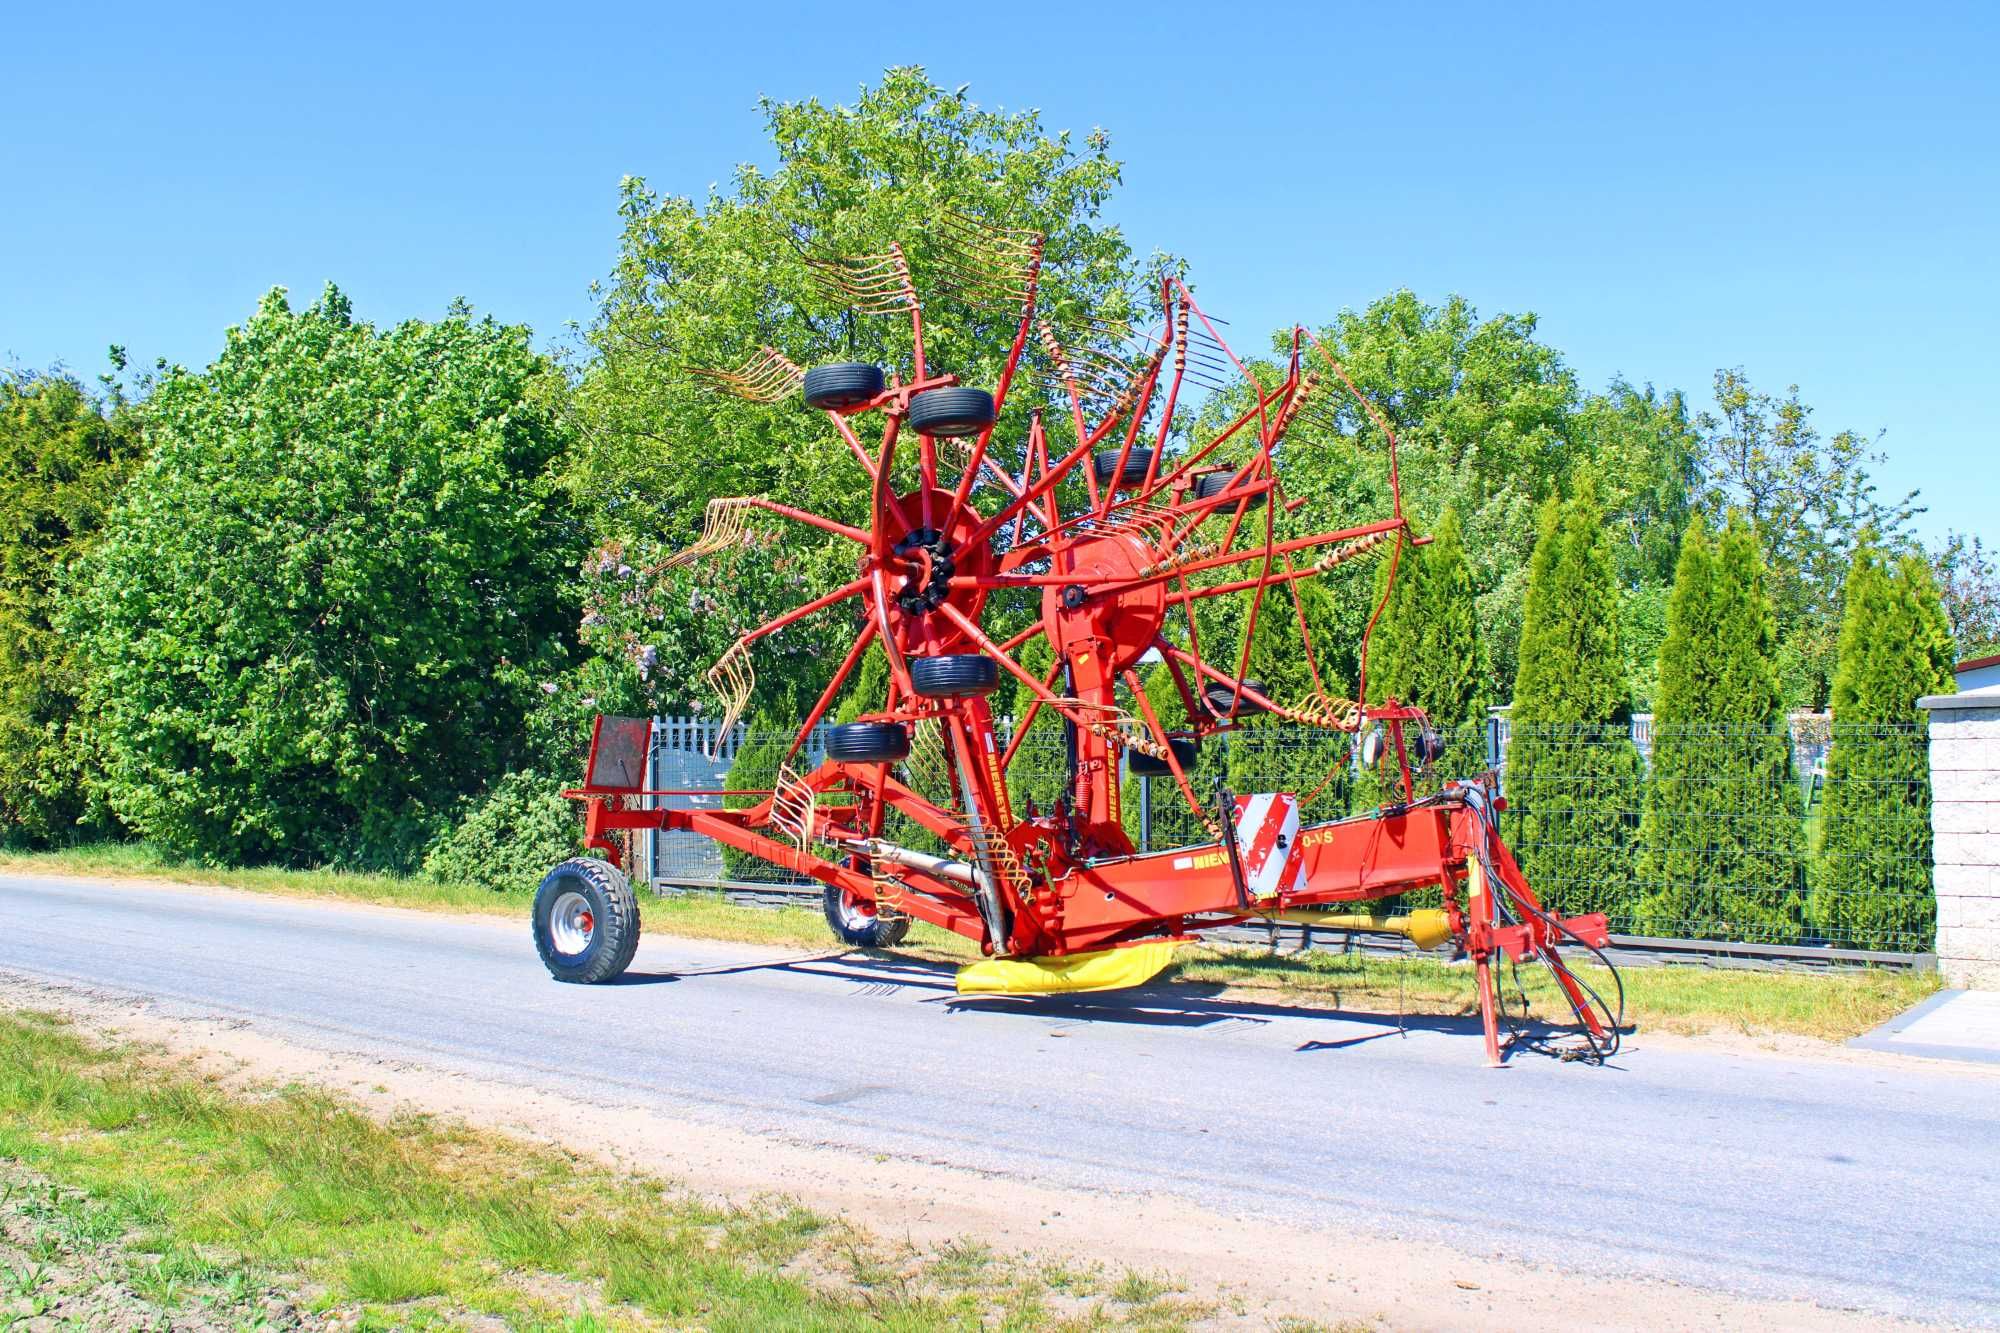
<point x="1180" y="1005"/>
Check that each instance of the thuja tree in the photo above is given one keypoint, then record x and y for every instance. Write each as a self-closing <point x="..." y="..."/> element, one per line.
<point x="1872" y="883"/>
<point x="1572" y="772"/>
<point x="320" y="611"/>
<point x="63" y="457"/>
<point x="1427" y="649"/>
<point x="1720" y="840"/>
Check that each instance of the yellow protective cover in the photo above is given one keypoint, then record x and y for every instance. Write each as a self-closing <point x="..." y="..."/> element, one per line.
<point x="1105" y="969"/>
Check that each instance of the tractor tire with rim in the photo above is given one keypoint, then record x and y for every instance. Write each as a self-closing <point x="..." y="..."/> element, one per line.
<point x="858" y="925"/>
<point x="586" y="921"/>
<point x="954" y="676"/>
<point x="951" y="411"/>
<point x="1211" y="484"/>
<point x="1139" y="764"/>
<point x="868" y="743"/>
<point x="1136" y="463"/>
<point x="843" y="384"/>
<point x="1220" y="697"/>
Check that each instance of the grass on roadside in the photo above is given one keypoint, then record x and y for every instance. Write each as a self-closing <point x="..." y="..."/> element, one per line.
<point x="418" y="1224"/>
<point x="1683" y="998"/>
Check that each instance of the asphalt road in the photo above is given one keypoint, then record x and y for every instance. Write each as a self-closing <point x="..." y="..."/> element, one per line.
<point x="1855" y="1185"/>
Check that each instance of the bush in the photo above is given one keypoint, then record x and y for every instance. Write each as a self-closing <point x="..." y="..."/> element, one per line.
<point x="321" y="610"/>
<point x="63" y="458"/>
<point x="507" y="838"/>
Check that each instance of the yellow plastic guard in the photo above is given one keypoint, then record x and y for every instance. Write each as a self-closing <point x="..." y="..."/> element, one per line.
<point x="1106" y="969"/>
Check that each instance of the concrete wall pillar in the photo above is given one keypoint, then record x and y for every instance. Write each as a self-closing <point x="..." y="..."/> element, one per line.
<point x="1965" y="835"/>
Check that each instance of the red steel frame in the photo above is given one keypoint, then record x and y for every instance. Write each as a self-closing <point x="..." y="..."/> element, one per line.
<point x="1112" y="579"/>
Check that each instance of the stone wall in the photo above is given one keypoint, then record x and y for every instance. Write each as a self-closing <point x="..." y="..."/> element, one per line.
<point x="1965" y="828"/>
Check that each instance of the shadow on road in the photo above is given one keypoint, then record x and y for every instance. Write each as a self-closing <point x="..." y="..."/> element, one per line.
<point x="1176" y="1005"/>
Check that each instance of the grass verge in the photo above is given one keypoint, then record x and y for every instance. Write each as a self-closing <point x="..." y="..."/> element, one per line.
<point x="417" y="1224"/>
<point x="1832" y="1006"/>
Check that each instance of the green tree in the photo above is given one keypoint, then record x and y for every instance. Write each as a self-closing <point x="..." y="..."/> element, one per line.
<point x="63" y="457"/>
<point x="1720" y="839"/>
<point x="704" y="284"/>
<point x="1969" y="582"/>
<point x="1872" y="884"/>
<point x="1812" y="503"/>
<point x="319" y="613"/>
<point x="1572" y="771"/>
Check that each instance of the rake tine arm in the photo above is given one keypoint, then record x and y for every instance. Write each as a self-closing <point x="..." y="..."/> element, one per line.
<point x="1027" y="719"/>
<point x="853" y="534"/>
<point x="1043" y="485"/>
<point x="1138" y="414"/>
<point x="1215" y="674"/>
<point x="797" y="614"/>
<point x="1228" y="432"/>
<point x="1068" y="373"/>
<point x="1131" y="679"/>
<point x="986" y="645"/>
<point x="1000" y="389"/>
<point x="832" y="690"/>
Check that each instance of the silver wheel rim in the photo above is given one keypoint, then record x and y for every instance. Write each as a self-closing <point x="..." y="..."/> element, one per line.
<point x="572" y="924"/>
<point x="853" y="915"/>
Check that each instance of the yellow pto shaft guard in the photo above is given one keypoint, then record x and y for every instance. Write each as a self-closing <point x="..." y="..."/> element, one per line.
<point x="1427" y="927"/>
<point x="1105" y="969"/>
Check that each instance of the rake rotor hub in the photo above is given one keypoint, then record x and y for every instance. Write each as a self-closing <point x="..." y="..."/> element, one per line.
<point x="928" y="567"/>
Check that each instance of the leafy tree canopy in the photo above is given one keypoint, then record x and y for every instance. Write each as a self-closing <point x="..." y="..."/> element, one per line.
<point x="319" y="611"/>
<point x="706" y="284"/>
<point x="63" y="456"/>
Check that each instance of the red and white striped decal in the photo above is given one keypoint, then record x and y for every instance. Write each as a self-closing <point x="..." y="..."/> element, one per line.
<point x="1267" y="835"/>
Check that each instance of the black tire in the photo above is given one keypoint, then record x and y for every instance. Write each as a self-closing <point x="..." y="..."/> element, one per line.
<point x="951" y="411"/>
<point x="955" y="676"/>
<point x="844" y="384"/>
<point x="1136" y="463"/>
<point x="858" y="925"/>
<point x="1211" y="484"/>
<point x="1139" y="764"/>
<point x="1220" y="698"/>
<point x="586" y="922"/>
<point x="868" y="743"/>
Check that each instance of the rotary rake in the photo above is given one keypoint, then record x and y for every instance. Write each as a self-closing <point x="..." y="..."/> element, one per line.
<point x="1119" y="521"/>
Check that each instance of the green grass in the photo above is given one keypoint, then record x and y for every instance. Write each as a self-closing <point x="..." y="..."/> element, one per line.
<point x="1688" y="998"/>
<point x="420" y="1224"/>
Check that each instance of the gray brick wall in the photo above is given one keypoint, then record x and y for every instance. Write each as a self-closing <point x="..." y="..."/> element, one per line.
<point x="1965" y="831"/>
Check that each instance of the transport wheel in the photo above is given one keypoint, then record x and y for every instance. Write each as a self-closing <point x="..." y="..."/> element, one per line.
<point x="1220" y="697"/>
<point x="586" y="921"/>
<point x="868" y="743"/>
<point x="1136" y="464"/>
<point x="954" y="676"/>
<point x="857" y="923"/>
<point x="844" y="384"/>
<point x="951" y="411"/>
<point x="1211" y="484"/>
<point x="1139" y="764"/>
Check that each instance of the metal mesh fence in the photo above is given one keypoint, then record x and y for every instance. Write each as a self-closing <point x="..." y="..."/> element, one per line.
<point x="1814" y="836"/>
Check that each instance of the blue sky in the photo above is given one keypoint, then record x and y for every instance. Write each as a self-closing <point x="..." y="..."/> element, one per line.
<point x="1810" y="192"/>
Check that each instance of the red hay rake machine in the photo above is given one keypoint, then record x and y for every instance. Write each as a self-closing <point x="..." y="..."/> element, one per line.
<point x="1059" y="900"/>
